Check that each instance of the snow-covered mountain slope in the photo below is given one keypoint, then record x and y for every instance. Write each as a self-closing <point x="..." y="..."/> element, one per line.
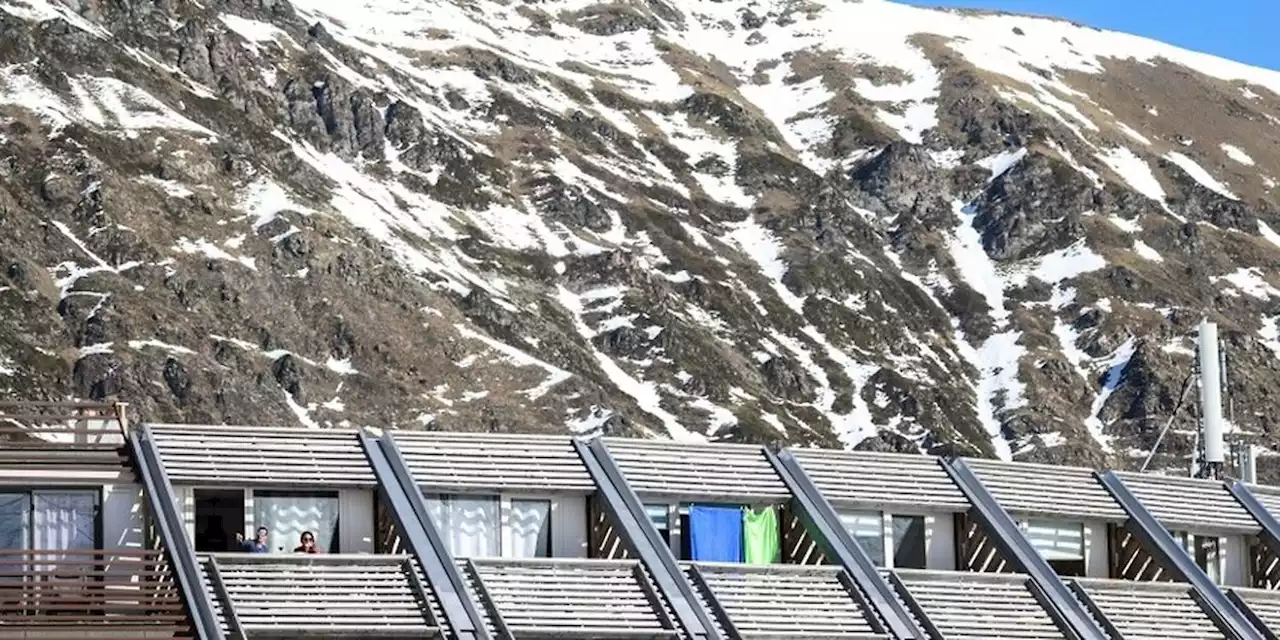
<point x="843" y="223"/>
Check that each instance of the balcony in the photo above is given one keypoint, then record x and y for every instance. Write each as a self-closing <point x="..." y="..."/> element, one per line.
<point x="87" y="594"/>
<point x="62" y="433"/>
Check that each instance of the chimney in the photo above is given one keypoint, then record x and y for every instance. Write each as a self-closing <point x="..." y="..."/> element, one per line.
<point x="1211" y="400"/>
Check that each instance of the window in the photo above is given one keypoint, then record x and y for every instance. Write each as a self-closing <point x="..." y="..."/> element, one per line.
<point x="909" y="542"/>
<point x="287" y="514"/>
<point x="660" y="517"/>
<point x="53" y="519"/>
<point x="867" y="527"/>
<point x="530" y="529"/>
<point x="473" y="526"/>
<point x="1205" y="551"/>
<point x="1060" y="543"/>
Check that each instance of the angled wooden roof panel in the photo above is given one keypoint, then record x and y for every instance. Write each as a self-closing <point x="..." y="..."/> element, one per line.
<point x="772" y="601"/>
<point x="1192" y="504"/>
<point x="1151" y="610"/>
<point x="551" y="598"/>
<point x="262" y="456"/>
<point x="861" y="479"/>
<point x="679" y="471"/>
<point x="462" y="462"/>
<point x="1047" y="490"/>
<point x="980" y="605"/>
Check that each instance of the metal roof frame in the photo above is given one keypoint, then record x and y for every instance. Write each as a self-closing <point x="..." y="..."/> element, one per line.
<point x="826" y="528"/>
<point x="1161" y="544"/>
<point x="628" y="513"/>
<point x="409" y="510"/>
<point x="1065" y="610"/>
<point x="459" y="462"/>
<point x="173" y="534"/>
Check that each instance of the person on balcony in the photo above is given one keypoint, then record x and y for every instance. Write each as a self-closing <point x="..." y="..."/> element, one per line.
<point x="259" y="544"/>
<point x="308" y="543"/>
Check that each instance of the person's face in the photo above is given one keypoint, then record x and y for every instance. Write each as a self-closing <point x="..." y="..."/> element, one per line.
<point x="262" y="535"/>
<point x="308" y="541"/>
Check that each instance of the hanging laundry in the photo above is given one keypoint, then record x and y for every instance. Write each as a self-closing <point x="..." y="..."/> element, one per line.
<point x="762" y="542"/>
<point x="715" y="533"/>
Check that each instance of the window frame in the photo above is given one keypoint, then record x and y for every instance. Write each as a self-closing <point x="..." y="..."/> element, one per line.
<point x="251" y="509"/>
<point x="505" y="531"/>
<point x="889" y="543"/>
<point x="99" y="499"/>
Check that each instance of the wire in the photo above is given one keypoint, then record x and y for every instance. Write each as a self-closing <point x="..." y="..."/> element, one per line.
<point x="1186" y="387"/>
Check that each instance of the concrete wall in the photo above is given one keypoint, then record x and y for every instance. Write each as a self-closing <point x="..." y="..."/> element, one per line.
<point x="1097" y="550"/>
<point x="569" y="527"/>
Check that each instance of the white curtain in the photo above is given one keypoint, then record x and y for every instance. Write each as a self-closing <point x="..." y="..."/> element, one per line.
<point x="62" y="521"/>
<point x="1056" y="539"/>
<point x="287" y="516"/>
<point x="530" y="529"/>
<point x="469" y="525"/>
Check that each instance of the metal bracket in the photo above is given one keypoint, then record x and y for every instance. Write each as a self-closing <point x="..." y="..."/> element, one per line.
<point x="628" y="512"/>
<point x="838" y="544"/>
<point x="409" y="509"/>
<point x="1067" y="613"/>
<point x="173" y="534"/>
<point x="1160" y="543"/>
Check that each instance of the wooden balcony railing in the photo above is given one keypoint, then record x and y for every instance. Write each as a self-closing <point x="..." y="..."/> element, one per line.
<point x="97" y="592"/>
<point x="65" y="427"/>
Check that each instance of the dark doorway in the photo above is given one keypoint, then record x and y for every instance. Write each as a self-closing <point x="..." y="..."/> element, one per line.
<point x="219" y="517"/>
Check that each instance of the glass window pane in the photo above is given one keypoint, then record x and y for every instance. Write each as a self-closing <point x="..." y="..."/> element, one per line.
<point x="1056" y="539"/>
<point x="15" y="520"/>
<point x="867" y="527"/>
<point x="658" y="515"/>
<point x="909" y="543"/>
<point x="288" y="514"/>
<point x="474" y="528"/>
<point x="530" y="529"/>
<point x="63" y="519"/>
<point x="1207" y="557"/>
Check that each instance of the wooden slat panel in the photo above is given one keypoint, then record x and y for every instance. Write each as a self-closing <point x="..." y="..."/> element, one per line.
<point x="239" y="456"/>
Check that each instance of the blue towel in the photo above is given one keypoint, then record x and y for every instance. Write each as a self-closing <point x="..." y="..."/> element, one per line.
<point x="715" y="533"/>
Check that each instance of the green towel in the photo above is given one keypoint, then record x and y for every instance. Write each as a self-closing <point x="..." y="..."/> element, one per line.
<point x="761" y="543"/>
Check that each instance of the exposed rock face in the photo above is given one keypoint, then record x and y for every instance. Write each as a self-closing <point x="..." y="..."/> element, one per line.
<point x="988" y="235"/>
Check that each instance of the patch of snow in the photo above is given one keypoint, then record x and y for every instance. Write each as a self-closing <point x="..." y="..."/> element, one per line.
<point x="591" y="423"/>
<point x="644" y="393"/>
<point x="1124" y="225"/>
<point x="1135" y="171"/>
<point x="760" y="244"/>
<point x="947" y="158"/>
<point x="1116" y="364"/>
<point x="1270" y="333"/>
<point x="264" y="199"/>
<point x="1071" y="160"/>
<point x="341" y="367"/>
<point x="139" y="345"/>
<point x="1001" y="162"/>
<point x="174" y="189"/>
<point x="718" y="417"/>
<point x="1133" y="133"/>
<point x="252" y="30"/>
<point x="1057" y="266"/>
<point x="976" y="268"/>
<point x="1267" y="232"/>
<point x="1237" y="154"/>
<point x="1198" y="173"/>
<point x="212" y="251"/>
<point x="556" y="375"/>
<point x="1250" y="281"/>
<point x="7" y="366"/>
<point x="95" y="349"/>
<point x="302" y="413"/>
<point x="1145" y="250"/>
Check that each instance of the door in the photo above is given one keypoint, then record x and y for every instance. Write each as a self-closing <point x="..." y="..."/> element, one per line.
<point x="219" y="517"/>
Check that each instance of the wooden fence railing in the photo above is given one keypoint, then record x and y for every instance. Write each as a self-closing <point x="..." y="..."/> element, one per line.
<point x="95" y="591"/>
<point x="62" y="425"/>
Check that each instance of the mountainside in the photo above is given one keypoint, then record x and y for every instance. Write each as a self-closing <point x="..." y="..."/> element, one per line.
<point x="837" y="223"/>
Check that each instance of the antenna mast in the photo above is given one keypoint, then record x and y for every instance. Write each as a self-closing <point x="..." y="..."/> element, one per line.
<point x="1211" y="422"/>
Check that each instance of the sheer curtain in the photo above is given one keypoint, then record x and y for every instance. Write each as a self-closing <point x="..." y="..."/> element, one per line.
<point x="469" y="525"/>
<point x="530" y="529"/>
<point x="867" y="527"/>
<point x="287" y="515"/>
<point x="62" y="521"/>
<point x="15" y="522"/>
